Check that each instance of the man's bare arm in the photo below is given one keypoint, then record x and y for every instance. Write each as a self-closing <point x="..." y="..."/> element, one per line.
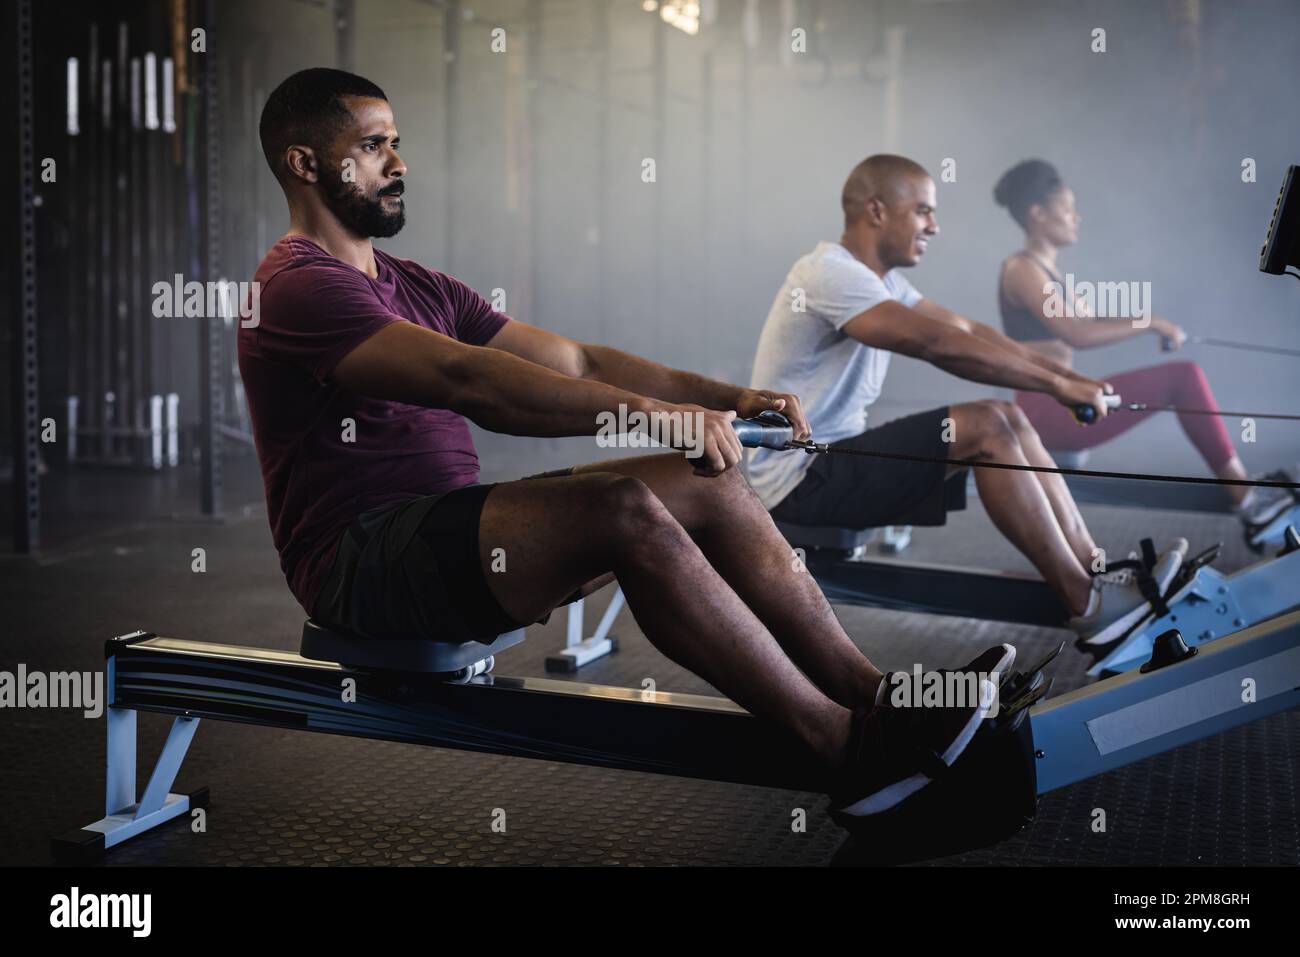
<point x="404" y="362"/>
<point x="614" y="367"/>
<point x="895" y="327"/>
<point x="623" y="370"/>
<point x="997" y="338"/>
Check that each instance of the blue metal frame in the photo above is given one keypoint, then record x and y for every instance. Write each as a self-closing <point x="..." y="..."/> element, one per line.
<point x="1213" y="605"/>
<point x="1134" y="716"/>
<point x="124" y="816"/>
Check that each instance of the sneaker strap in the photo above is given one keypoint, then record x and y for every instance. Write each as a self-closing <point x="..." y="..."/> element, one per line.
<point x="930" y="764"/>
<point x="1145" y="581"/>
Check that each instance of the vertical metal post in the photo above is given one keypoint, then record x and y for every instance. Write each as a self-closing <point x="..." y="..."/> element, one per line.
<point x="210" y="335"/>
<point x="137" y="314"/>
<point x="104" y="268"/>
<point x="26" y="425"/>
<point x="86" y="410"/>
<point x="150" y="141"/>
<point x="450" y="89"/>
<point x="120" y="378"/>
<point x="119" y="790"/>
<point x="74" y="211"/>
<point x="173" y="187"/>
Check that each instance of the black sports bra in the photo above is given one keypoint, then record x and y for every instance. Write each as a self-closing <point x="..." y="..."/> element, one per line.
<point x="1019" y="322"/>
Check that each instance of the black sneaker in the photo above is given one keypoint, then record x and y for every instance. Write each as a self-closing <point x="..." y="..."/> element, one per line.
<point x="995" y="661"/>
<point x="894" y="751"/>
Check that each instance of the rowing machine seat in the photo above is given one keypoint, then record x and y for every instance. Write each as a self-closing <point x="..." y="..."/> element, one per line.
<point x="321" y="643"/>
<point x="826" y="536"/>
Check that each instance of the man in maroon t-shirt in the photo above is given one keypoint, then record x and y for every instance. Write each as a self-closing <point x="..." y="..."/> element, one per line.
<point x="360" y="369"/>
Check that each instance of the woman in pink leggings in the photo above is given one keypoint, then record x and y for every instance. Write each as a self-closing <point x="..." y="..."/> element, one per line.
<point x="1035" y="313"/>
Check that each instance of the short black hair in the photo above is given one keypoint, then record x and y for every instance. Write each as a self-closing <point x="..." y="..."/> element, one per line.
<point x="307" y="108"/>
<point x="1028" y="182"/>
<point x="876" y="177"/>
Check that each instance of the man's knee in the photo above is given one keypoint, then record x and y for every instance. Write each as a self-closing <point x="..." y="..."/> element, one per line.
<point x="984" y="420"/>
<point x="730" y="485"/>
<point x="1015" y="417"/>
<point x="624" y="503"/>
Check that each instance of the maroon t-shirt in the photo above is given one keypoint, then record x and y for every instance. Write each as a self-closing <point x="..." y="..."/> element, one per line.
<point x="314" y="310"/>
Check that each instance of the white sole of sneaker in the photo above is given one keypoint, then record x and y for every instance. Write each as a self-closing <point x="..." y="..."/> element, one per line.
<point x="1004" y="664"/>
<point x="1278" y="508"/>
<point x="1119" y="626"/>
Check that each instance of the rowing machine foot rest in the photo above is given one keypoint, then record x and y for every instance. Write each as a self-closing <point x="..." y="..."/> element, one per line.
<point x="826" y="536"/>
<point x="989" y="795"/>
<point x="320" y="643"/>
<point x="1274" y="532"/>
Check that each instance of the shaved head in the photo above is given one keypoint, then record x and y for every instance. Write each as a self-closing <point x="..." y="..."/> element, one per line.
<point x="884" y="177"/>
<point x="889" y="206"/>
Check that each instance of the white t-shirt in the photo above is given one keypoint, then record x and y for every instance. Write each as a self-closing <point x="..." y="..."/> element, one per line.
<point x="806" y="353"/>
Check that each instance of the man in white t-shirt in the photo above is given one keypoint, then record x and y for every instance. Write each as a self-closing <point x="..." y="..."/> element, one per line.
<point x="843" y="309"/>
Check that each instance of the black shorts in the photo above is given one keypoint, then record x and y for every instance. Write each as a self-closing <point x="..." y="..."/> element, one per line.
<point x="857" y="491"/>
<point x="412" y="570"/>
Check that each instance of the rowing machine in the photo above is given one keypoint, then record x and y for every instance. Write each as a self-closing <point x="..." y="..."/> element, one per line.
<point x="1205" y="604"/>
<point x="1202" y="602"/>
<point x="458" y="703"/>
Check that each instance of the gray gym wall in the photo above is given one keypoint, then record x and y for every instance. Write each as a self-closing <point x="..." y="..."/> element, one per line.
<point x="1151" y="135"/>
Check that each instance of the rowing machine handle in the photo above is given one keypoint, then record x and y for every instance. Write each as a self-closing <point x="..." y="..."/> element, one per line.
<point x="1088" y="415"/>
<point x="767" y="430"/>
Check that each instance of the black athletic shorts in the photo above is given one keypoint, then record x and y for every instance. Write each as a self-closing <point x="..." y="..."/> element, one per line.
<point x="857" y="491"/>
<point x="412" y="570"/>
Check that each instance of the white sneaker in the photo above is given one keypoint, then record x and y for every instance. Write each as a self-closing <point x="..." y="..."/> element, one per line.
<point x="1117" y="604"/>
<point x="1262" y="505"/>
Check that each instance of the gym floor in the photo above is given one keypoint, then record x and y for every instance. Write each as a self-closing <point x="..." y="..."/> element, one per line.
<point x="295" y="798"/>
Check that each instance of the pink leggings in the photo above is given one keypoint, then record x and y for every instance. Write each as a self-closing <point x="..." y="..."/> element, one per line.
<point x="1174" y="383"/>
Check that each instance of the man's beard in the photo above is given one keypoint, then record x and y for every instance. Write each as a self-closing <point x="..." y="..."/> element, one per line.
<point x="360" y="214"/>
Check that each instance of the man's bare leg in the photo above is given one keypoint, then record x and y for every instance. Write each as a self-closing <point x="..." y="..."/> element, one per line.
<point x="736" y="534"/>
<point x="557" y="534"/>
<point x="1017" y="502"/>
<point x="1058" y="492"/>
